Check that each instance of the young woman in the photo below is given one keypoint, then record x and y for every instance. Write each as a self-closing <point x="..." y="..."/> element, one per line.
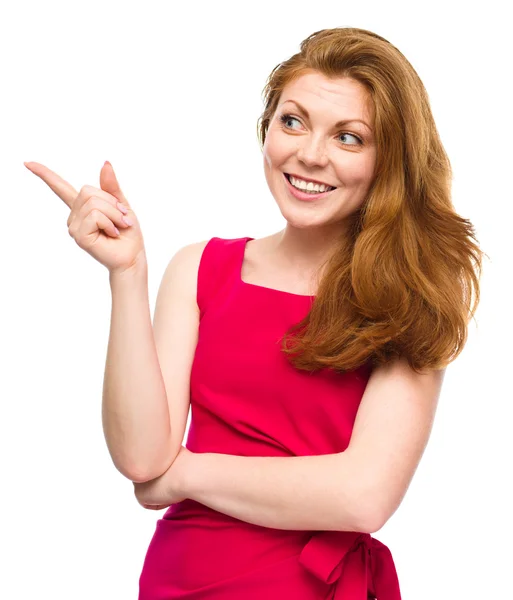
<point x="312" y="359"/>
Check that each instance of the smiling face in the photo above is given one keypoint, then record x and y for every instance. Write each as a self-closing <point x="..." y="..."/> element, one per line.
<point x="315" y="145"/>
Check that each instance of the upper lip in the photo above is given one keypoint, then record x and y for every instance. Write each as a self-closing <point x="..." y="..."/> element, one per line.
<point x="309" y="179"/>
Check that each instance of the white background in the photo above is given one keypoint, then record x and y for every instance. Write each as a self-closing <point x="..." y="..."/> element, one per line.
<point x="170" y="93"/>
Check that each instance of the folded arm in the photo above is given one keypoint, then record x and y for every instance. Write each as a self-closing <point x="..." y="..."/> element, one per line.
<point x="355" y="490"/>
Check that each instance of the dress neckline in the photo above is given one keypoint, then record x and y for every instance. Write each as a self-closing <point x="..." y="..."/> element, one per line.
<point x="244" y="241"/>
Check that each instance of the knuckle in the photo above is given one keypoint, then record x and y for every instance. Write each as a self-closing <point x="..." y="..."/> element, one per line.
<point x="87" y="190"/>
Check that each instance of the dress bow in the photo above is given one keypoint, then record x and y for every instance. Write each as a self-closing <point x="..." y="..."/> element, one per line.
<point x="359" y="566"/>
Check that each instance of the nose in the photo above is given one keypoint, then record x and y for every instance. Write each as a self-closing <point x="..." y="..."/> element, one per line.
<point x="312" y="152"/>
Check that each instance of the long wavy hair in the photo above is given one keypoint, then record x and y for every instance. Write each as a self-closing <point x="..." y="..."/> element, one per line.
<point x="405" y="281"/>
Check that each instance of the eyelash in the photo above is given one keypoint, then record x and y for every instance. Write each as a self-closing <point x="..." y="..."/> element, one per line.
<point x="286" y="117"/>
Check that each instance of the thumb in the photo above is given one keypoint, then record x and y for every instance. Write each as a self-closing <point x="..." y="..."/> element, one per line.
<point x="110" y="184"/>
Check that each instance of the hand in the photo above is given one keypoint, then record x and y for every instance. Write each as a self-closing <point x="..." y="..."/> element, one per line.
<point x="95" y="212"/>
<point x="170" y="487"/>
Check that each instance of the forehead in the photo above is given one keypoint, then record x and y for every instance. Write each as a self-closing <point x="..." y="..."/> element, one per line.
<point x="344" y="96"/>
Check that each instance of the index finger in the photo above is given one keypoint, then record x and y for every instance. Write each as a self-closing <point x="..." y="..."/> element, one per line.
<point x="57" y="184"/>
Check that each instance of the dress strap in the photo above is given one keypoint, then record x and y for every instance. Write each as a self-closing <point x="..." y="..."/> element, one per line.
<point x="218" y="268"/>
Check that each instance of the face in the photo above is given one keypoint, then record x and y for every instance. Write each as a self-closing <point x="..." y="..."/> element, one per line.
<point x="315" y="147"/>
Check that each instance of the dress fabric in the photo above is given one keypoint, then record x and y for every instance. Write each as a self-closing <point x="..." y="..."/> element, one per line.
<point x="248" y="400"/>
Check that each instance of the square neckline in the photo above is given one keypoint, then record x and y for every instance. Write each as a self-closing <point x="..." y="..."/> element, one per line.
<point x="245" y="240"/>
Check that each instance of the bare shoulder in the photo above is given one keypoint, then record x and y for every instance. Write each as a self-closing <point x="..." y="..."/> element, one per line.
<point x="182" y="271"/>
<point x="398" y="369"/>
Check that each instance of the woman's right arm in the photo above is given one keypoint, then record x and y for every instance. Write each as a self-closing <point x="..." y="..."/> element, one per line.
<point x="146" y="389"/>
<point x="146" y="392"/>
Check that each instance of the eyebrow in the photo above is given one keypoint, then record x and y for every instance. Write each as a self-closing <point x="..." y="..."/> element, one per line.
<point x="337" y="124"/>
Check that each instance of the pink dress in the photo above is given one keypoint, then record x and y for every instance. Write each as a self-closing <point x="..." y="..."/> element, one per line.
<point x="247" y="400"/>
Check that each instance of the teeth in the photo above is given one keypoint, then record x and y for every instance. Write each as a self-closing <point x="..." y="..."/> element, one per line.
<point x="309" y="186"/>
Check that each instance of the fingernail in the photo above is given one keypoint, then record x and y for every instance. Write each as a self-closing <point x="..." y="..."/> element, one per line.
<point x="107" y="163"/>
<point x="122" y="208"/>
<point x="127" y="221"/>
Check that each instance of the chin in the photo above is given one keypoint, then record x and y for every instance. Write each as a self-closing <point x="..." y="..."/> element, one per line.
<point x="300" y="219"/>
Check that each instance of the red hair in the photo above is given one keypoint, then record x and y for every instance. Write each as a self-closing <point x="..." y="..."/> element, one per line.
<point x="401" y="282"/>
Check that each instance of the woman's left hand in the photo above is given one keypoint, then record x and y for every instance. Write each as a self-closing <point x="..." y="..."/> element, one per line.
<point x="169" y="488"/>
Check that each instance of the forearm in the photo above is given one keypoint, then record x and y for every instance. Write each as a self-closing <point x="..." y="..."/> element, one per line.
<point x="135" y="412"/>
<point x="299" y="492"/>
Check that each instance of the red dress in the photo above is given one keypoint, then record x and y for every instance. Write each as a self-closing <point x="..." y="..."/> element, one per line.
<point x="248" y="400"/>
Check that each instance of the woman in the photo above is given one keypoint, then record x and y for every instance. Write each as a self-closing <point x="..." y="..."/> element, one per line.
<point x="312" y="359"/>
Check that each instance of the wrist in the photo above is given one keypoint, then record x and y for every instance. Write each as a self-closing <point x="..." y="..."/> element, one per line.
<point x="186" y="473"/>
<point x="137" y="270"/>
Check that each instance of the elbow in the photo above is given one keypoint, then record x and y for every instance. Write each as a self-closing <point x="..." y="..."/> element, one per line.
<point x="375" y="515"/>
<point x="139" y="477"/>
<point x="157" y="468"/>
<point x="142" y="473"/>
<point x="145" y="475"/>
<point x="132" y="474"/>
<point x="370" y="514"/>
<point x="371" y="522"/>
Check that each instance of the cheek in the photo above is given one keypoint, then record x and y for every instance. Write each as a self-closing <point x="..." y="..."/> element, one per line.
<point x="357" y="172"/>
<point x="275" y="150"/>
<point x="367" y="166"/>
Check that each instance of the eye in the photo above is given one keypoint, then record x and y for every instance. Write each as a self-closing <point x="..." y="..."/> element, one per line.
<point x="285" y="118"/>
<point x="358" y="140"/>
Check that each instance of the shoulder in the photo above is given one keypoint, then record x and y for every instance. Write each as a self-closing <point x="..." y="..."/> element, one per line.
<point x="187" y="258"/>
<point x="185" y="264"/>
<point x="195" y="270"/>
<point x="399" y="368"/>
<point x="182" y="270"/>
<point x="399" y="387"/>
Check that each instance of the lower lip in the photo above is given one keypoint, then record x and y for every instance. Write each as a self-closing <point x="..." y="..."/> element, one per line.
<point x="302" y="195"/>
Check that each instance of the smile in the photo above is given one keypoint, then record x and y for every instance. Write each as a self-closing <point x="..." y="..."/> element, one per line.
<point x="307" y="194"/>
<point x="309" y="185"/>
